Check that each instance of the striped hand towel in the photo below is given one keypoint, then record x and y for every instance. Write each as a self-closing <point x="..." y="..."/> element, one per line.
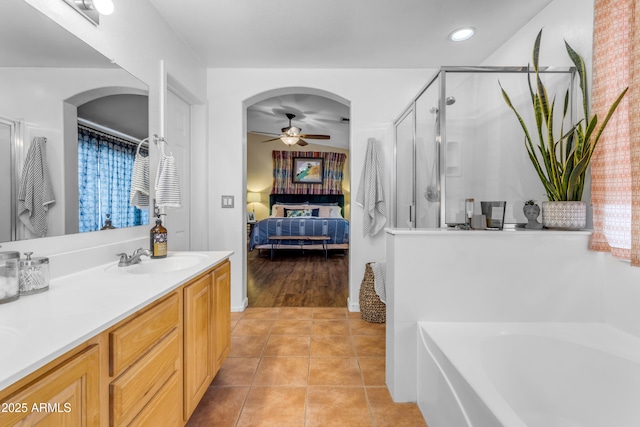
<point x="35" y="194"/>
<point x="167" y="184"/>
<point x="139" y="195"/>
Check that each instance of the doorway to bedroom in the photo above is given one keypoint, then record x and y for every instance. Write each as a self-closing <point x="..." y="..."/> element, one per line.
<point x="298" y="200"/>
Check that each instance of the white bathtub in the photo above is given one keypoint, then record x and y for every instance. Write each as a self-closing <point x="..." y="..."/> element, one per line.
<point x="528" y="374"/>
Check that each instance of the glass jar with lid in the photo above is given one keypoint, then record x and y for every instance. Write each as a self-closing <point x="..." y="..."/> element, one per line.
<point x="9" y="274"/>
<point x="34" y="274"/>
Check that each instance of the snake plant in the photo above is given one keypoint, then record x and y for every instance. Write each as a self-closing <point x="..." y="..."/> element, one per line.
<point x="561" y="161"/>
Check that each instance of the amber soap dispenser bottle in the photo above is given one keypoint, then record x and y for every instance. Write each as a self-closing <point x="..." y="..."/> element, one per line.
<point x="158" y="239"/>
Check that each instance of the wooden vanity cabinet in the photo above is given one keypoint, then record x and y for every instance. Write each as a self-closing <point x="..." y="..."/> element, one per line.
<point x="150" y="369"/>
<point x="222" y="311"/>
<point x="199" y="359"/>
<point x="67" y="395"/>
<point x="207" y="332"/>
<point x="144" y="358"/>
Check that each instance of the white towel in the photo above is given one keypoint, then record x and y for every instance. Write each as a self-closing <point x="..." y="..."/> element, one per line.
<point x="371" y="191"/>
<point x="380" y="279"/>
<point x="139" y="195"/>
<point x="167" y="185"/>
<point x="35" y="194"/>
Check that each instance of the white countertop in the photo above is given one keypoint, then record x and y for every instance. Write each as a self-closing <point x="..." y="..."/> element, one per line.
<point x="36" y="329"/>
<point x="506" y="231"/>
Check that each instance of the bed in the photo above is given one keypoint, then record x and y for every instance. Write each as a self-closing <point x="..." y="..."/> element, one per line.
<point x="271" y="233"/>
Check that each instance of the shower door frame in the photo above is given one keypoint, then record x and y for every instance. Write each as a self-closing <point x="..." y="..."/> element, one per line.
<point x="411" y="109"/>
<point x="441" y="172"/>
<point x="16" y="138"/>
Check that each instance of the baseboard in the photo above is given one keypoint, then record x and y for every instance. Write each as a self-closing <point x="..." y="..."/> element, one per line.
<point x="353" y="306"/>
<point x="243" y="307"/>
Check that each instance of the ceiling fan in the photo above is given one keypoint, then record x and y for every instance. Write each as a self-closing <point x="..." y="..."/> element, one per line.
<point x="291" y="135"/>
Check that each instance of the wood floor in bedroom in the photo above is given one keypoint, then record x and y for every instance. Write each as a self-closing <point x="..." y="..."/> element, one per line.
<point x="296" y="279"/>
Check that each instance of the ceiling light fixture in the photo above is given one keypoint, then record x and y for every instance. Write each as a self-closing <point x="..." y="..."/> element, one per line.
<point x="290" y="140"/>
<point x="462" y="34"/>
<point x="92" y="9"/>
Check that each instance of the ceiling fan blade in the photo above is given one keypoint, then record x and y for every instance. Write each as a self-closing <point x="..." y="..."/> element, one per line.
<point x="302" y="142"/>
<point x="269" y="140"/>
<point x="311" y="136"/>
<point x="257" y="132"/>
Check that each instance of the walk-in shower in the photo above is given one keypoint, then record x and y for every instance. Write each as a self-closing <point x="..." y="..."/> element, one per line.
<point x="457" y="139"/>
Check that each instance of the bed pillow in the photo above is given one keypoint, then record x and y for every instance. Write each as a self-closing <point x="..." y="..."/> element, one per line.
<point x="277" y="210"/>
<point x="326" y="211"/>
<point x="300" y="213"/>
<point x="336" y="212"/>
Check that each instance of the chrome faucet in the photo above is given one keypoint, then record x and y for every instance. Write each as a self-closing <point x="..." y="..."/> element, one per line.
<point x="126" y="260"/>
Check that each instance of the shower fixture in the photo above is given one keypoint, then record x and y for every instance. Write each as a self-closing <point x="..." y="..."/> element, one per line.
<point x="449" y="101"/>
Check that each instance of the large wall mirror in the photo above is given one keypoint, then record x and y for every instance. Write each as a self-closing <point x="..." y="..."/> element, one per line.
<point x="53" y="86"/>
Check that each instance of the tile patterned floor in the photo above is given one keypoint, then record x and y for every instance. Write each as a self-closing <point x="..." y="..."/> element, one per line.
<point x="306" y="367"/>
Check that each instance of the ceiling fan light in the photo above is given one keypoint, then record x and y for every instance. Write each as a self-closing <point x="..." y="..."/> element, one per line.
<point x="293" y="131"/>
<point x="290" y="140"/>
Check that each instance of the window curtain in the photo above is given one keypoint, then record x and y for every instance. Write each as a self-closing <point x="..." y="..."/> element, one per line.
<point x="105" y="165"/>
<point x="615" y="168"/>
<point x="283" y="173"/>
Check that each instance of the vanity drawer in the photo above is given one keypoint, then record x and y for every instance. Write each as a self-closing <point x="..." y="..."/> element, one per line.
<point x="130" y="341"/>
<point x="166" y="407"/>
<point x="130" y="392"/>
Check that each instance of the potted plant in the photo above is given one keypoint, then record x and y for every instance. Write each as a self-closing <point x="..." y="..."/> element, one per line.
<point x="561" y="158"/>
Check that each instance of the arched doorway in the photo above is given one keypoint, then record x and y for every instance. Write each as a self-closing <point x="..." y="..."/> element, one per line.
<point x="294" y="277"/>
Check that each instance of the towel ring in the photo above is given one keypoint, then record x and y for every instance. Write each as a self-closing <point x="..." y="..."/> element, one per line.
<point x="140" y="145"/>
<point x="157" y="140"/>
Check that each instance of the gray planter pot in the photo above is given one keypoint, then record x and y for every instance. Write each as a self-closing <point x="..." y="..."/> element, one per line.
<point x="564" y="215"/>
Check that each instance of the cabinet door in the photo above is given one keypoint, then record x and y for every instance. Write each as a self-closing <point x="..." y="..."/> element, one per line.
<point x="222" y="311"/>
<point x="69" y="395"/>
<point x="199" y="361"/>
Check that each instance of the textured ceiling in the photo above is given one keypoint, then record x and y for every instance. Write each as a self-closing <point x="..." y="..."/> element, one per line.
<point x="314" y="115"/>
<point x="338" y="34"/>
<point x="344" y="34"/>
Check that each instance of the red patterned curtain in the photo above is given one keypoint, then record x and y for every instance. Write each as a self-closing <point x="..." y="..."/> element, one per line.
<point x="283" y="173"/>
<point x="615" y="168"/>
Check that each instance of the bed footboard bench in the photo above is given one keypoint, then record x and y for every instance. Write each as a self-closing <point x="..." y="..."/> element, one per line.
<point x="302" y="239"/>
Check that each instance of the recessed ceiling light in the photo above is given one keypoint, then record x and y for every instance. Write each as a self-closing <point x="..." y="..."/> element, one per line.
<point x="462" y="34"/>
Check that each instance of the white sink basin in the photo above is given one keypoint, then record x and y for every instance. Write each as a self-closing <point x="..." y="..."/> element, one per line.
<point x="173" y="262"/>
<point x="9" y="338"/>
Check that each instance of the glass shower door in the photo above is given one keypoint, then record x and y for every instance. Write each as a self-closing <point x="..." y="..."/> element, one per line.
<point x="427" y="171"/>
<point x="404" y="171"/>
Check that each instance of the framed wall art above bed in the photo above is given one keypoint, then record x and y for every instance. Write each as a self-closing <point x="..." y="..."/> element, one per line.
<point x="308" y="170"/>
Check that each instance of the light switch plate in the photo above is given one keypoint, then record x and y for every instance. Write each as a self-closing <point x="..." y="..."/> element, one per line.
<point x="227" y="201"/>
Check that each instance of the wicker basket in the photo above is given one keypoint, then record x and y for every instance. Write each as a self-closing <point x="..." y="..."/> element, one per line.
<point x="371" y="308"/>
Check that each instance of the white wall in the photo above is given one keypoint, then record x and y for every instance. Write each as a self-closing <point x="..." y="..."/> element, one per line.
<point x="621" y="294"/>
<point x="137" y="39"/>
<point x="564" y="19"/>
<point x="483" y="276"/>
<point x="377" y="96"/>
<point x="570" y="20"/>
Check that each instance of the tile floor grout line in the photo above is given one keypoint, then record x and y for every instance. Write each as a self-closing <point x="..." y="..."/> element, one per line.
<point x="355" y="330"/>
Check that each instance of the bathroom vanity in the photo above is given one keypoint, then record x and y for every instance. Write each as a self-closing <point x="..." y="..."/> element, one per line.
<point x="115" y="346"/>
